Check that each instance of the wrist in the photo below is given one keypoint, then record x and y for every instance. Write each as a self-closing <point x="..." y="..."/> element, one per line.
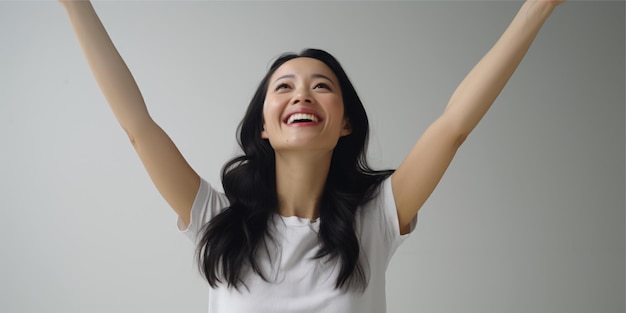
<point x="73" y="3"/>
<point x="540" y="8"/>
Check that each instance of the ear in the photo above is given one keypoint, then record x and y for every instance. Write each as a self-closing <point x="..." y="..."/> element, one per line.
<point x="264" y="132"/>
<point x="347" y="128"/>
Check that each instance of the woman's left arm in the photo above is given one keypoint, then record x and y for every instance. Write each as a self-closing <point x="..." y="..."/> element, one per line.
<point x="418" y="175"/>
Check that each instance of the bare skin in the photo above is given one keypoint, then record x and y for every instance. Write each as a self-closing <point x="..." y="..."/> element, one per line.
<point x="421" y="171"/>
<point x="303" y="151"/>
<point x="301" y="173"/>
<point x="174" y="178"/>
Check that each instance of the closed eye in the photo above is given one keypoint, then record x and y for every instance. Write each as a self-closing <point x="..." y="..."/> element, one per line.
<point x="281" y="86"/>
<point x="322" y="86"/>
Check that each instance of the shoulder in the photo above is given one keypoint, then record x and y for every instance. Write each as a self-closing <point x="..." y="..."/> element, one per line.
<point x="382" y="197"/>
<point x="207" y="204"/>
<point x="378" y="219"/>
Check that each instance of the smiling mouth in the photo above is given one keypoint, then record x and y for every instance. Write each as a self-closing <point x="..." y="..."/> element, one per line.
<point x="302" y="118"/>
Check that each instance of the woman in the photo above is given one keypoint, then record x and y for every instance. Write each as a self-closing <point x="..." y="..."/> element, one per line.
<point x="304" y="225"/>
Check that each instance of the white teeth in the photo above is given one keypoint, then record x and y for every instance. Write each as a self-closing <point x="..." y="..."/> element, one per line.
<point x="301" y="116"/>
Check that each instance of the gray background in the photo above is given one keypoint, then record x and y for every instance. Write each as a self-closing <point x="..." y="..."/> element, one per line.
<point x="529" y="217"/>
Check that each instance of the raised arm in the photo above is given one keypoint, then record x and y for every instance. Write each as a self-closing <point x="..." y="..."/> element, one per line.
<point x="418" y="175"/>
<point x="174" y="178"/>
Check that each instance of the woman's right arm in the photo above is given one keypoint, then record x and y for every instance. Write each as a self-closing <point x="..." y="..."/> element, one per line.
<point x="177" y="182"/>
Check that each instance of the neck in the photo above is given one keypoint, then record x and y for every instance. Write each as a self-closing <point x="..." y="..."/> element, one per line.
<point x="300" y="181"/>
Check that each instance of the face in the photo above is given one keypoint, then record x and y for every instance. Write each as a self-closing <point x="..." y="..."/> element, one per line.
<point x="303" y="107"/>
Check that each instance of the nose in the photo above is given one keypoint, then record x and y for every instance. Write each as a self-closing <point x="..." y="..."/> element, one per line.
<point x="302" y="95"/>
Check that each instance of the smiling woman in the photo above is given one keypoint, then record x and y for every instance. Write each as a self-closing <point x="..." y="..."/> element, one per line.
<point x="293" y="175"/>
<point x="304" y="108"/>
<point x="304" y="224"/>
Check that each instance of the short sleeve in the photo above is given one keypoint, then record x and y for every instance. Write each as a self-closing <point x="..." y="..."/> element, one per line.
<point x="390" y="213"/>
<point x="379" y="226"/>
<point x="207" y="204"/>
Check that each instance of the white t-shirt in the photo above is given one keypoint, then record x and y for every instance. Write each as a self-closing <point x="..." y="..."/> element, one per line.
<point x="297" y="281"/>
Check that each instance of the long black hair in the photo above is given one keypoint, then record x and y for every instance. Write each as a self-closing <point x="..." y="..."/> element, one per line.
<point x="231" y="240"/>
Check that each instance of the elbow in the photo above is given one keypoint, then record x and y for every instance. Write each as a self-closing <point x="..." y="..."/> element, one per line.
<point x="137" y="129"/>
<point x="456" y="128"/>
<point x="449" y="131"/>
<point x="131" y="136"/>
<point x="460" y="140"/>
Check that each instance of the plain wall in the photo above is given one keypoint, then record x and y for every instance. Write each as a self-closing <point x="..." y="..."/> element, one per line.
<point x="529" y="217"/>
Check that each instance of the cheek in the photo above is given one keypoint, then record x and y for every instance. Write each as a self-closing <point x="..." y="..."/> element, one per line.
<point x="271" y="114"/>
<point x="274" y="106"/>
<point x="338" y="108"/>
<point x="267" y="106"/>
<point x="264" y="134"/>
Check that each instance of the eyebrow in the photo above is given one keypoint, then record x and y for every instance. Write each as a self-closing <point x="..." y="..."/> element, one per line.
<point x="314" y="75"/>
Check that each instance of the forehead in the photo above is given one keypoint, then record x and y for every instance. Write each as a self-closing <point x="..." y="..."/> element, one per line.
<point x="303" y="67"/>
